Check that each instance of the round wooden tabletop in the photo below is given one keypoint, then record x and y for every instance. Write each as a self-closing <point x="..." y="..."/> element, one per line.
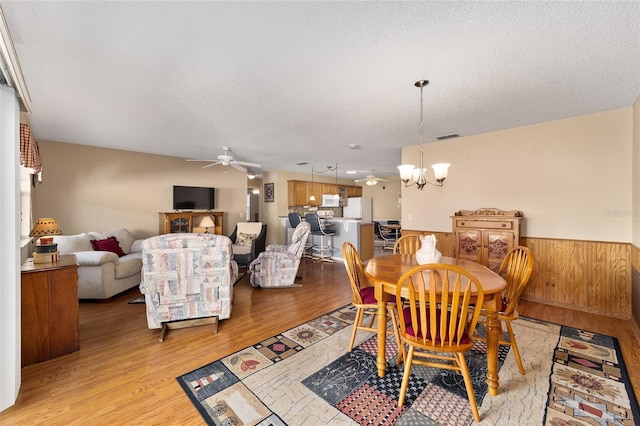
<point x="390" y="267"/>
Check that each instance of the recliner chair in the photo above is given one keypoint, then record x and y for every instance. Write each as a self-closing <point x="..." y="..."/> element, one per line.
<point x="277" y="266"/>
<point x="187" y="280"/>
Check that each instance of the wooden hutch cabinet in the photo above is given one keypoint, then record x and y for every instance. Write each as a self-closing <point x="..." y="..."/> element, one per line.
<point x="486" y="235"/>
<point x="176" y="222"/>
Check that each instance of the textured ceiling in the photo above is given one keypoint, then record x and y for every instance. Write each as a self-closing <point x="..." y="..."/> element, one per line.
<point x="289" y="82"/>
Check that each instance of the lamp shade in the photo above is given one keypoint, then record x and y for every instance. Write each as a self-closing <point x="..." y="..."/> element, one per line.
<point x="406" y="171"/>
<point x="45" y="227"/>
<point x="207" y="222"/>
<point x="440" y="170"/>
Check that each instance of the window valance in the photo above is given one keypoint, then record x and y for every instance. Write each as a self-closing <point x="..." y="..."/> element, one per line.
<point x="29" y="151"/>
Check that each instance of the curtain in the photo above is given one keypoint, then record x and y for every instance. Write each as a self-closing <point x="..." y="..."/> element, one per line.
<point x="29" y="152"/>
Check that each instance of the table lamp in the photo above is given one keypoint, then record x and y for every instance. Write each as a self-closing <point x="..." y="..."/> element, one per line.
<point x="206" y="223"/>
<point x="45" y="250"/>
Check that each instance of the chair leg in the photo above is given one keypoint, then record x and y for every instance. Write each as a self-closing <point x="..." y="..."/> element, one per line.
<point x="394" y="322"/>
<point x="405" y="377"/>
<point x="356" y="324"/>
<point x="162" y="332"/>
<point x="514" y="345"/>
<point x="464" y="369"/>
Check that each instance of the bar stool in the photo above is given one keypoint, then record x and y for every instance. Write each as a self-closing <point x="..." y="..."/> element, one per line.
<point x="322" y="252"/>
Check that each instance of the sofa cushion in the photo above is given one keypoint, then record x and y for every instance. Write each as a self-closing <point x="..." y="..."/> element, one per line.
<point x="95" y="258"/>
<point x="108" y="244"/>
<point x="124" y="237"/>
<point x="129" y="265"/>
<point x="73" y="243"/>
<point x="241" y="249"/>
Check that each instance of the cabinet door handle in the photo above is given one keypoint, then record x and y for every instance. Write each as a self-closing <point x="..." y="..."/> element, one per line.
<point x="462" y="223"/>
<point x="504" y="225"/>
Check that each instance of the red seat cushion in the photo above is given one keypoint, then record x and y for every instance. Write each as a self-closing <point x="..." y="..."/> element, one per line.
<point x="368" y="297"/>
<point x="411" y="331"/>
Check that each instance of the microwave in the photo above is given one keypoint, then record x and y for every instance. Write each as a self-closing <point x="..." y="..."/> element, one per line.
<point x="330" y="200"/>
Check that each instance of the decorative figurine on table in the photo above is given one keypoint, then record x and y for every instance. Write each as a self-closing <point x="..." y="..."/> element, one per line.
<point x="428" y="252"/>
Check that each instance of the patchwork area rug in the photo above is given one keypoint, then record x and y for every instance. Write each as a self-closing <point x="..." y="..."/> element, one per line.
<point x="304" y="376"/>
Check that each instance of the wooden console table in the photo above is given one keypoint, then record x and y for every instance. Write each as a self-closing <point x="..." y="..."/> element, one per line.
<point x="172" y="222"/>
<point x="50" y="310"/>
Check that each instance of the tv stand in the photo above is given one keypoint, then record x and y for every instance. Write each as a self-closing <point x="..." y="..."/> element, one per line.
<point x="188" y="221"/>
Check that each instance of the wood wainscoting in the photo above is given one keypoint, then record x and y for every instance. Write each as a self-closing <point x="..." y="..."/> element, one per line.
<point x="591" y="276"/>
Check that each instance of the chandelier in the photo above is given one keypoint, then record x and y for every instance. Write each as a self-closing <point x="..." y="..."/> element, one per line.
<point x="418" y="176"/>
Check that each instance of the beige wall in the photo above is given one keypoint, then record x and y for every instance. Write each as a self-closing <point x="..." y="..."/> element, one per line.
<point x="385" y="195"/>
<point x="95" y="189"/>
<point x="571" y="178"/>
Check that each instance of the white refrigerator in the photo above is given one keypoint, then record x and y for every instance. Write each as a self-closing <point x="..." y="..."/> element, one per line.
<point x="358" y="208"/>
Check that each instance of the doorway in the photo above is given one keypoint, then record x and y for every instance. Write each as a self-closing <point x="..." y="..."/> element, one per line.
<point x="253" y="205"/>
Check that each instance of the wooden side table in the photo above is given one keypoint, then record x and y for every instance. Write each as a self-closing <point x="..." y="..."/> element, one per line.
<point x="50" y="310"/>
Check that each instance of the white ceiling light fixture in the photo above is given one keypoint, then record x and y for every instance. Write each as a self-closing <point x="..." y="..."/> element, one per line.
<point x="409" y="172"/>
<point x="371" y="179"/>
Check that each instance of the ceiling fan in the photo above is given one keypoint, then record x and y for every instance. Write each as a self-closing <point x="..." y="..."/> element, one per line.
<point x="371" y="179"/>
<point x="227" y="160"/>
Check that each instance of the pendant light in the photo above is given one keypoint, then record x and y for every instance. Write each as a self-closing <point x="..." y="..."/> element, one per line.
<point x="418" y="176"/>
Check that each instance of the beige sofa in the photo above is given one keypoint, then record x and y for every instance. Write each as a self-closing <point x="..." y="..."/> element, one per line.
<point x="103" y="274"/>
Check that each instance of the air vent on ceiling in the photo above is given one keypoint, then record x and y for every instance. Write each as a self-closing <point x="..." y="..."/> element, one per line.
<point x="304" y="163"/>
<point x="449" y="136"/>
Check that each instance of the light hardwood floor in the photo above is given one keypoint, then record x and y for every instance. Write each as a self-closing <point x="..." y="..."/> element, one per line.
<point x="123" y="375"/>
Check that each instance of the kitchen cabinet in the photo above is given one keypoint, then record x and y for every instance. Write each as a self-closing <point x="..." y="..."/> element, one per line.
<point x="354" y="191"/>
<point x="486" y="235"/>
<point x="329" y="188"/>
<point x="50" y="314"/>
<point x="299" y="192"/>
<point x="177" y="222"/>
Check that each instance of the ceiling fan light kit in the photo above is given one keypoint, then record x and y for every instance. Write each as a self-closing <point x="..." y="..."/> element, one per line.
<point x="418" y="176"/>
<point x="371" y="179"/>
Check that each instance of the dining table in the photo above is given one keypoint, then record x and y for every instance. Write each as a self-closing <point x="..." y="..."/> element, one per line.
<point x="385" y="271"/>
<point x="392" y="228"/>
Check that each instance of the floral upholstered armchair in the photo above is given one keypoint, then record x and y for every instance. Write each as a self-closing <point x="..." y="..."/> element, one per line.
<point x="278" y="264"/>
<point x="187" y="277"/>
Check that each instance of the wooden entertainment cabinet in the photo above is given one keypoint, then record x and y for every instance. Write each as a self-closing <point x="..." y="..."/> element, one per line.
<point x="176" y="222"/>
<point x="50" y="310"/>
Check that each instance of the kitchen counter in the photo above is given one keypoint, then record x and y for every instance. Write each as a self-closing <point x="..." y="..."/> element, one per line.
<point x="346" y="229"/>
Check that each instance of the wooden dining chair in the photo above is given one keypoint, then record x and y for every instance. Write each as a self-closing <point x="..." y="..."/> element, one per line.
<point x="407" y="244"/>
<point x="437" y="326"/>
<point x="363" y="297"/>
<point x="516" y="268"/>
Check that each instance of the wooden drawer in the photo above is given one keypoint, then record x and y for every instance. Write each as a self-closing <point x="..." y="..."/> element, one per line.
<point x="484" y="224"/>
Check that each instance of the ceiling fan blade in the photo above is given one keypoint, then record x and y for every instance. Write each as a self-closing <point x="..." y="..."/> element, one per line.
<point x="247" y="164"/>
<point x="382" y="180"/>
<point x="361" y="180"/>
<point x="236" y="166"/>
<point x="212" y="164"/>
<point x="193" y="159"/>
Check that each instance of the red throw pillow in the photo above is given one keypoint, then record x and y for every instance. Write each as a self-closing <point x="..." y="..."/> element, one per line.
<point x="108" y="244"/>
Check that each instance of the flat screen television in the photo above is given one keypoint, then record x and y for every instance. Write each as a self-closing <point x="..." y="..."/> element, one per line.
<point x="193" y="198"/>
